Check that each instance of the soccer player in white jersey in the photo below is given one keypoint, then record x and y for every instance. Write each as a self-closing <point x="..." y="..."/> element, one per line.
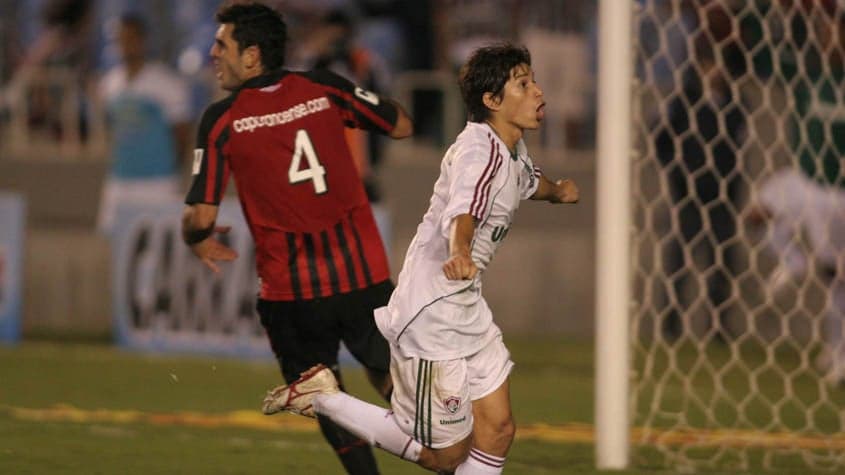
<point x="451" y="403"/>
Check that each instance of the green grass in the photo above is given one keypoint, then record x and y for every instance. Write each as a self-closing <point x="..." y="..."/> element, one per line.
<point x="552" y="383"/>
<point x="90" y="376"/>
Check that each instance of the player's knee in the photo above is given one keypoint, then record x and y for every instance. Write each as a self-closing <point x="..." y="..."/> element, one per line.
<point x="507" y="429"/>
<point x="504" y="430"/>
<point x="446" y="459"/>
<point x="500" y="431"/>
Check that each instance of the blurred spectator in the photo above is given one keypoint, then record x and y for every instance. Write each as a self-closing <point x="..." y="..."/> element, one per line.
<point x="58" y="59"/>
<point x="663" y="32"/>
<point x="147" y="107"/>
<point x="397" y="31"/>
<point x="463" y="26"/>
<point x="809" y="199"/>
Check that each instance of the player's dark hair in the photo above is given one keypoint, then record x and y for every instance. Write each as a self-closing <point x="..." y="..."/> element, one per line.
<point x="256" y="24"/>
<point x="67" y="14"/>
<point x="135" y="21"/>
<point x="487" y="70"/>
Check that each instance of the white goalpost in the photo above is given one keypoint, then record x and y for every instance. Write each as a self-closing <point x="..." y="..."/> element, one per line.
<point x="612" y="229"/>
<point x="720" y="288"/>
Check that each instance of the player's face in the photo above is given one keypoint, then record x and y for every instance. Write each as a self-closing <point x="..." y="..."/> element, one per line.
<point x="228" y="61"/>
<point x="131" y="42"/>
<point x="522" y="99"/>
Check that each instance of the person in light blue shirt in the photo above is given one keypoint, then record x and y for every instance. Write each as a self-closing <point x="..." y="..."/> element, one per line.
<point x="147" y="107"/>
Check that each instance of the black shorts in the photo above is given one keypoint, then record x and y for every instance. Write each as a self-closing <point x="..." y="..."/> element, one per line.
<point x="306" y="332"/>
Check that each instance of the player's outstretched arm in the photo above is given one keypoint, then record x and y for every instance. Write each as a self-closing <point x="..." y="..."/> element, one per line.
<point x="459" y="265"/>
<point x="561" y="191"/>
<point x="198" y="228"/>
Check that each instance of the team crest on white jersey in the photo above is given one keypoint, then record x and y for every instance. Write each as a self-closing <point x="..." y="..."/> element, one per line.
<point x="452" y="403"/>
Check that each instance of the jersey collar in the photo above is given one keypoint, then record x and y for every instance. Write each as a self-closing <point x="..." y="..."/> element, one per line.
<point x="264" y="80"/>
<point x="521" y="150"/>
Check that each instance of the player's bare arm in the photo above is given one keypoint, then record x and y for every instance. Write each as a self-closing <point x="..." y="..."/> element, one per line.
<point x="198" y="229"/>
<point x="459" y="265"/>
<point x="560" y="191"/>
<point x="404" y="126"/>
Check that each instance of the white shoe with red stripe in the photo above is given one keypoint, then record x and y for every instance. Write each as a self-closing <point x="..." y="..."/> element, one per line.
<point x="297" y="396"/>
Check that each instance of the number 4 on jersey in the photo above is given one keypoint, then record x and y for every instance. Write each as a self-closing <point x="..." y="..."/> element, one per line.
<point x="314" y="172"/>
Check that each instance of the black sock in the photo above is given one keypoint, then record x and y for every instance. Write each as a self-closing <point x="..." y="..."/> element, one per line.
<point x="354" y="453"/>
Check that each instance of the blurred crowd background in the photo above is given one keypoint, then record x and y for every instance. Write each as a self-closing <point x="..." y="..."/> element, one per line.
<point x="59" y="48"/>
<point x="57" y="131"/>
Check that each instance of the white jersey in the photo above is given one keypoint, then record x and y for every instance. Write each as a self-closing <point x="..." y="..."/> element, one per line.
<point x="429" y="316"/>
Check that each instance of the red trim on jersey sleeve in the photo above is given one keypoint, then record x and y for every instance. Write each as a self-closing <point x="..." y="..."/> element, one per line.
<point x="478" y="186"/>
<point x="212" y="194"/>
<point x="489" y="184"/>
<point x="479" y="198"/>
<point x="225" y="181"/>
<point x="372" y="116"/>
<point x="211" y="176"/>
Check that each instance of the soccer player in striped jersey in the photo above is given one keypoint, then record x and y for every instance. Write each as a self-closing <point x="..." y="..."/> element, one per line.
<point x="320" y="260"/>
<point x="450" y="368"/>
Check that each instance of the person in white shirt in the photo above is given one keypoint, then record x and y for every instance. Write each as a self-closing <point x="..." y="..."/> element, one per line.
<point x="451" y="404"/>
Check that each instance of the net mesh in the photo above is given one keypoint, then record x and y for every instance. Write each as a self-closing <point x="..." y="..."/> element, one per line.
<point x="739" y="222"/>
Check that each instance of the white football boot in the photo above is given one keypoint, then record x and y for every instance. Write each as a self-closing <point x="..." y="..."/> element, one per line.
<point x="297" y="396"/>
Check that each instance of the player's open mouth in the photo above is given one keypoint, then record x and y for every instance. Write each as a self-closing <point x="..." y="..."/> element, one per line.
<point x="541" y="111"/>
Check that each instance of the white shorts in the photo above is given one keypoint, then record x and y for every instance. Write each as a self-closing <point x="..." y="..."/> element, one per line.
<point x="432" y="399"/>
<point x="154" y="191"/>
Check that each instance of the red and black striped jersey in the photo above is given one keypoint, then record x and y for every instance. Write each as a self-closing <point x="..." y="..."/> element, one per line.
<point x="281" y="138"/>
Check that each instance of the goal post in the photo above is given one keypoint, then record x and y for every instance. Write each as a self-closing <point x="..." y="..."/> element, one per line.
<point x="612" y="233"/>
<point x="727" y="337"/>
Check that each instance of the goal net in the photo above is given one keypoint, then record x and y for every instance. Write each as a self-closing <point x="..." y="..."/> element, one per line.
<point x="738" y="203"/>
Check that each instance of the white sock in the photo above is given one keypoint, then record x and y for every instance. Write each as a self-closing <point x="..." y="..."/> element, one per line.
<point x="783" y="245"/>
<point x="480" y="463"/>
<point x="835" y="321"/>
<point x="370" y="422"/>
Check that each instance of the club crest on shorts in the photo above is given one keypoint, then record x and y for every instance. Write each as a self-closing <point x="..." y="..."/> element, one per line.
<point x="452" y="403"/>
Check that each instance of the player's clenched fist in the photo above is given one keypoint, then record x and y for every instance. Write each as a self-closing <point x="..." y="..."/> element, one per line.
<point x="460" y="267"/>
<point x="566" y="191"/>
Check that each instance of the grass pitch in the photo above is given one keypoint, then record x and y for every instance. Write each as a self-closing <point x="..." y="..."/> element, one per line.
<point x="95" y="409"/>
